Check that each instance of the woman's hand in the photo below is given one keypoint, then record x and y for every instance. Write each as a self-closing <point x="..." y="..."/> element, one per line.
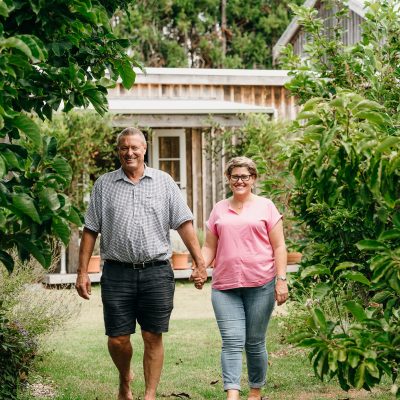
<point x="281" y="292"/>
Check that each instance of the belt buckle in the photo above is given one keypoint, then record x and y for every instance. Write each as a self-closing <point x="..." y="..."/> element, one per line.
<point x="139" y="265"/>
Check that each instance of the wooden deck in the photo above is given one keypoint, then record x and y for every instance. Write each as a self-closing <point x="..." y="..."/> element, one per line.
<point x="67" y="279"/>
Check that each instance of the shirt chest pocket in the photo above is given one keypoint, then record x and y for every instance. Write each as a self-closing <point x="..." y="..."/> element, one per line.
<point x="154" y="203"/>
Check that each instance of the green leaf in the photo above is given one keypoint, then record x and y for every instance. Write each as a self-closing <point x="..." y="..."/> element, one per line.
<point x="370" y="245"/>
<point x="345" y="265"/>
<point x="374" y="117"/>
<point x="313" y="270"/>
<point x="61" y="166"/>
<point x="391" y="234"/>
<point x="356" y="277"/>
<point x="372" y="367"/>
<point x="4" y="11"/>
<point x="7" y="260"/>
<point x="29" y="127"/>
<point x="356" y="310"/>
<point x="396" y="219"/>
<point x="3" y="168"/>
<point x="49" y="198"/>
<point x="26" y="205"/>
<point x="38" y="51"/>
<point x="321" y="290"/>
<point x="51" y="146"/>
<point x="31" y="248"/>
<point x="333" y="360"/>
<point x="354" y="359"/>
<point x="319" y="319"/>
<point x="74" y="217"/>
<point x="127" y="73"/>
<point x="359" y="377"/>
<point x="61" y="229"/>
<point x="14" y="42"/>
<point x="388" y="142"/>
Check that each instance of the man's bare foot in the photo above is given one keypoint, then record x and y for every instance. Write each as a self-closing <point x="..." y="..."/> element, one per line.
<point x="125" y="387"/>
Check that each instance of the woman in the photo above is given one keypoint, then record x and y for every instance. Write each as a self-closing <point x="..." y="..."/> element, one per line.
<point x="245" y="240"/>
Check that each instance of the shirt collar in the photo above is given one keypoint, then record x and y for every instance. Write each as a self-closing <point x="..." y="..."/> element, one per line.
<point x="148" y="172"/>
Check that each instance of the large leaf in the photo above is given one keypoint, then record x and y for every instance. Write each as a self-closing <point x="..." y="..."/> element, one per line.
<point x="26" y="205"/>
<point x="61" y="229"/>
<point x="370" y="245"/>
<point x="7" y="260"/>
<point x="127" y="73"/>
<point x="38" y="51"/>
<point x="313" y="270"/>
<point x="49" y="198"/>
<point x="389" y="235"/>
<point x="356" y="277"/>
<point x="387" y="143"/>
<point x="345" y="265"/>
<point x="356" y="310"/>
<point x="29" y="128"/>
<point x="3" y="169"/>
<point x="31" y="248"/>
<point x="61" y="166"/>
<point x="74" y="217"/>
<point x="16" y="43"/>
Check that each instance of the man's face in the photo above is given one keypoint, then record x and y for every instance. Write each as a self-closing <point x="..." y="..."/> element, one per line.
<point x="131" y="151"/>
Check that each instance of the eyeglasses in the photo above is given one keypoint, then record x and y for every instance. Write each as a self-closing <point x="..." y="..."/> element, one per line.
<point x="244" y="178"/>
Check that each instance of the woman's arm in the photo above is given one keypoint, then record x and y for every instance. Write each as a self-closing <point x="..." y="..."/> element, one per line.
<point x="209" y="249"/>
<point x="277" y="240"/>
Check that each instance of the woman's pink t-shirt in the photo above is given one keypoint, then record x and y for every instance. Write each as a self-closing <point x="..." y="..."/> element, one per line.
<point x="244" y="257"/>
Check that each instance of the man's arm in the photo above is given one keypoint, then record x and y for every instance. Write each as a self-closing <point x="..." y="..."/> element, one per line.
<point x="83" y="285"/>
<point x="189" y="237"/>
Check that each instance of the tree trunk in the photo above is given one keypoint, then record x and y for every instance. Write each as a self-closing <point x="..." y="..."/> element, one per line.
<point x="73" y="251"/>
<point x="223" y="30"/>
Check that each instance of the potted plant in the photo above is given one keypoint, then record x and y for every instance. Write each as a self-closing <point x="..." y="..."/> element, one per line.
<point x="180" y="254"/>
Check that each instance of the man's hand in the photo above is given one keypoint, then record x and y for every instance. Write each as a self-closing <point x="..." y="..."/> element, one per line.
<point x="83" y="285"/>
<point x="199" y="277"/>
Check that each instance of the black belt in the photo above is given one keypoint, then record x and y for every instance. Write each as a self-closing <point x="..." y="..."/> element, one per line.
<point x="141" y="265"/>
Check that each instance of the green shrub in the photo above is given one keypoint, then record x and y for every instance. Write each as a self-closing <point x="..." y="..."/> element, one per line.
<point x="17" y="350"/>
<point x="345" y="163"/>
<point x="28" y="311"/>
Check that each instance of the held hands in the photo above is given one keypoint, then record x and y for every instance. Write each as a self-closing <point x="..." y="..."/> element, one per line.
<point x="83" y="285"/>
<point x="199" y="277"/>
<point x="281" y="292"/>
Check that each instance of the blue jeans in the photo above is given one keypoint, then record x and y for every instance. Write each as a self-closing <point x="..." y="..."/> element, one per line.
<point x="242" y="315"/>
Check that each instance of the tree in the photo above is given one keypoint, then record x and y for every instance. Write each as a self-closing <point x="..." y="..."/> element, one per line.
<point x="347" y="189"/>
<point x="204" y="33"/>
<point x="54" y="54"/>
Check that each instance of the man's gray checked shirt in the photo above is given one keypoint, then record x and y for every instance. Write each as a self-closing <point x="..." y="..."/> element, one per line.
<point x="134" y="219"/>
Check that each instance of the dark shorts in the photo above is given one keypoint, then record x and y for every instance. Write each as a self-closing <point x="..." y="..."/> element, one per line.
<point x="144" y="295"/>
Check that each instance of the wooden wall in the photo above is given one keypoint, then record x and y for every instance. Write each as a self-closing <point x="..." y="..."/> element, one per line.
<point x="269" y="96"/>
<point x="351" y="26"/>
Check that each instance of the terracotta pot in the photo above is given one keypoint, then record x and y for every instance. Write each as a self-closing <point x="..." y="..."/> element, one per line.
<point x="94" y="265"/>
<point x="293" y="257"/>
<point x="180" y="260"/>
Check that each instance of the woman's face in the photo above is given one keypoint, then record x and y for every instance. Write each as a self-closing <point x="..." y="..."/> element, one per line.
<point x="241" y="181"/>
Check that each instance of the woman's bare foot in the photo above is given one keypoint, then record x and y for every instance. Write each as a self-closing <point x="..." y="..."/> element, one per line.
<point x="125" y="387"/>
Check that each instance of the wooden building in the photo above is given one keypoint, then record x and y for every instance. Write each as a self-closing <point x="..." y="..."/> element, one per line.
<point x="178" y="108"/>
<point x="297" y="37"/>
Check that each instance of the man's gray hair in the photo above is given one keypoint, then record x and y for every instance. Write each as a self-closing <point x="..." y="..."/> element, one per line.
<point x="131" y="132"/>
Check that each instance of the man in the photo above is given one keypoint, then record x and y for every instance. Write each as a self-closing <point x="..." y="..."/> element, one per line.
<point x="134" y="208"/>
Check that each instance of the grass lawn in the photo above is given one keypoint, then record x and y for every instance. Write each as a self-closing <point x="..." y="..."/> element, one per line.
<point x="77" y="366"/>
